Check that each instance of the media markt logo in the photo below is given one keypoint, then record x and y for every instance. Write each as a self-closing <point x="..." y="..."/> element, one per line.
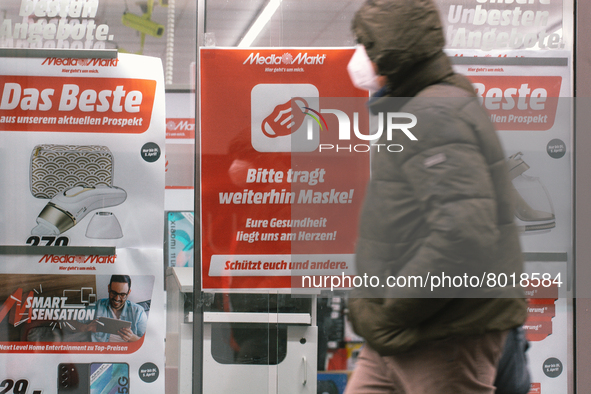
<point x="174" y="125"/>
<point x="286" y="58"/>
<point x="54" y="61"/>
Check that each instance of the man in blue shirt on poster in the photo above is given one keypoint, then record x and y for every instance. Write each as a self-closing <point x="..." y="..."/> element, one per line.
<point x="118" y="307"/>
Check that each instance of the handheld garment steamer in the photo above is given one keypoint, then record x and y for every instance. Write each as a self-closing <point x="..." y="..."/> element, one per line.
<point x="70" y="206"/>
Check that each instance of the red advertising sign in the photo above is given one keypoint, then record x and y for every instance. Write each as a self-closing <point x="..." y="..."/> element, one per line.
<point x="72" y="104"/>
<point x="180" y="128"/>
<point x="519" y="102"/>
<point x="281" y="181"/>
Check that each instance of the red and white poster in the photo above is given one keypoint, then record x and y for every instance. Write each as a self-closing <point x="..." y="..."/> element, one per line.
<point x="282" y="173"/>
<point x="532" y="110"/>
<point x="82" y="168"/>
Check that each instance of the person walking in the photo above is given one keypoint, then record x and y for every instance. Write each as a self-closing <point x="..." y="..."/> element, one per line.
<point x="440" y="208"/>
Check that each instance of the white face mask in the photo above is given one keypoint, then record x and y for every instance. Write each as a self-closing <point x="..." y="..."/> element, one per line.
<point x="361" y="71"/>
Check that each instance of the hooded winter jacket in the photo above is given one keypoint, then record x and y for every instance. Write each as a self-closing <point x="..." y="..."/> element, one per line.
<point x="442" y="207"/>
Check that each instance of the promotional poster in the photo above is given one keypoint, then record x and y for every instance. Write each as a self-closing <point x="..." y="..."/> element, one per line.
<point x="282" y="174"/>
<point x="82" y="158"/>
<point x="531" y="109"/>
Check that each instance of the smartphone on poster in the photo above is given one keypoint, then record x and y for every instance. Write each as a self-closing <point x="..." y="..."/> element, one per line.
<point x="94" y="378"/>
<point x="109" y="378"/>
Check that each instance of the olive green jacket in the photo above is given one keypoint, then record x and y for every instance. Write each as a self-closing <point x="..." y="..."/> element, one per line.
<point x="443" y="206"/>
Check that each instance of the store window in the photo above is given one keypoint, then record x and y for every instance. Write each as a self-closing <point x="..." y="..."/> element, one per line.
<point x="217" y="263"/>
<point x="503" y="47"/>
